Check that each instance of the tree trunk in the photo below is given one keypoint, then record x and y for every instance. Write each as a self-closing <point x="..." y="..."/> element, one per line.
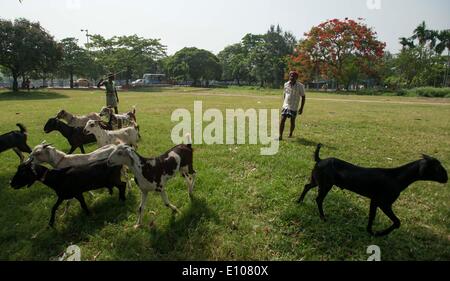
<point x="446" y="69"/>
<point x="15" y="83"/>
<point x="71" y="79"/>
<point x="128" y="76"/>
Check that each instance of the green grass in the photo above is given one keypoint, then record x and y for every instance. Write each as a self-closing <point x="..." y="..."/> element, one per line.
<point x="244" y="207"/>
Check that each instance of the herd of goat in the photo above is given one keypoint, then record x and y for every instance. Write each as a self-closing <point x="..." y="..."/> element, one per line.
<point x="73" y="174"/>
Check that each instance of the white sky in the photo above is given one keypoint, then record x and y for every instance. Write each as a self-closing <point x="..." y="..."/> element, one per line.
<point x="214" y="24"/>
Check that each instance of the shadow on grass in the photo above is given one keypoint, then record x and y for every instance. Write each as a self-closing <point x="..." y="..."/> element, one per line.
<point x="344" y="237"/>
<point x="309" y="143"/>
<point x="32" y="95"/>
<point x="24" y="220"/>
<point x="180" y="238"/>
<point x="76" y="228"/>
<point x="188" y="228"/>
<point x="305" y="142"/>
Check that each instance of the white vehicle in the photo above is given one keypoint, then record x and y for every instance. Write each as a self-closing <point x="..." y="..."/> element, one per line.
<point x="138" y="83"/>
<point x="150" y="79"/>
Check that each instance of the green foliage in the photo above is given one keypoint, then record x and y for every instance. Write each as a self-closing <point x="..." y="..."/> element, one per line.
<point x="78" y="61"/>
<point x="27" y="47"/>
<point x="429" y="92"/>
<point x="196" y="64"/>
<point x="131" y="55"/>
<point x="261" y="58"/>
<point x="420" y="63"/>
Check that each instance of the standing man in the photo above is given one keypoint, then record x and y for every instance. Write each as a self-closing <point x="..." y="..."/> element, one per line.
<point x="293" y="92"/>
<point x="112" y="99"/>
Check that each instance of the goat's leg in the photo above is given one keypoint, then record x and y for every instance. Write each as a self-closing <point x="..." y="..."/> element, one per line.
<point x="323" y="191"/>
<point x="167" y="202"/>
<point x="72" y="149"/>
<point x="55" y="207"/>
<point x="126" y="176"/>
<point x="191" y="188"/>
<point x="141" y="207"/>
<point x="372" y="214"/>
<point x="307" y="188"/>
<point x="80" y="199"/>
<point x="19" y="153"/>
<point x="190" y="181"/>
<point x="388" y="211"/>
<point x="122" y="188"/>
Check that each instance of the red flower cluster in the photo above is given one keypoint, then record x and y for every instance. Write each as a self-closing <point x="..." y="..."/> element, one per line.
<point x="328" y="46"/>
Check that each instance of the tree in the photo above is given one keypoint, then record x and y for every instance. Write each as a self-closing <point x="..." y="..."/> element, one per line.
<point x="334" y="45"/>
<point x="76" y="60"/>
<point x="196" y="64"/>
<point x="25" y="47"/>
<point x="130" y="54"/>
<point x="444" y="38"/>
<point x="234" y="64"/>
<point x="422" y="64"/>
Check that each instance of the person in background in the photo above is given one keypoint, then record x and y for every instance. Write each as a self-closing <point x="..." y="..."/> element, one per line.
<point x="112" y="98"/>
<point x="293" y="92"/>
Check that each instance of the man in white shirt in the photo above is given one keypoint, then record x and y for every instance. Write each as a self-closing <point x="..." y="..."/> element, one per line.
<point x="293" y="92"/>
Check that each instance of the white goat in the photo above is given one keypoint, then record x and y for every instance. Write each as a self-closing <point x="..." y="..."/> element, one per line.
<point x="119" y="121"/>
<point x="46" y="153"/>
<point x="128" y="135"/>
<point x="77" y="121"/>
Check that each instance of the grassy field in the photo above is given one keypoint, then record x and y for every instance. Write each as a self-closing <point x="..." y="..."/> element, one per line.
<point x="244" y="206"/>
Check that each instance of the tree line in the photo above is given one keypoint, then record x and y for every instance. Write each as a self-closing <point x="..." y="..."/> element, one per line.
<point x="342" y="54"/>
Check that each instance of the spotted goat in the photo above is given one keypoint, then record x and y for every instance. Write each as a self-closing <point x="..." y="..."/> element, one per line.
<point x="152" y="174"/>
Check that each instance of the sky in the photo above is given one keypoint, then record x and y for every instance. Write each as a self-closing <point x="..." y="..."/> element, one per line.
<point x="215" y="24"/>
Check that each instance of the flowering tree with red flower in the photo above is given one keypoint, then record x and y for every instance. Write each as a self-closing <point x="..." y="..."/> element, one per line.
<point x="338" y="49"/>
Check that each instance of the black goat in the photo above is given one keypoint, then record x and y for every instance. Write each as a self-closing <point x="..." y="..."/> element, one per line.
<point x="382" y="186"/>
<point x="71" y="182"/>
<point x="17" y="141"/>
<point x="75" y="136"/>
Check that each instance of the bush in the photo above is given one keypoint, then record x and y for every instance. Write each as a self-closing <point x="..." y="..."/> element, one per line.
<point x="429" y="92"/>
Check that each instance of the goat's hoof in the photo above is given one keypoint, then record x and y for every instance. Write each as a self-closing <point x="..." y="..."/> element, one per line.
<point x="137" y="226"/>
<point x="323" y="219"/>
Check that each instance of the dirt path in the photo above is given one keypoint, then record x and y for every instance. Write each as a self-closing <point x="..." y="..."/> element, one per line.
<point x="386" y="100"/>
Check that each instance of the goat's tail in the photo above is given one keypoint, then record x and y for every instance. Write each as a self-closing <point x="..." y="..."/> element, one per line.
<point x="188" y="138"/>
<point x="22" y="128"/>
<point x="316" y="154"/>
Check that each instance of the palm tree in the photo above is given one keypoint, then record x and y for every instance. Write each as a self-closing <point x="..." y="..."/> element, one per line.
<point x="421" y="33"/>
<point x="407" y="42"/>
<point x="444" y="43"/>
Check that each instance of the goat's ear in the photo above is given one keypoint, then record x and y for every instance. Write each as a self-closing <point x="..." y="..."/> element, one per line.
<point x="130" y="154"/>
<point x="426" y="157"/>
<point x="47" y="145"/>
